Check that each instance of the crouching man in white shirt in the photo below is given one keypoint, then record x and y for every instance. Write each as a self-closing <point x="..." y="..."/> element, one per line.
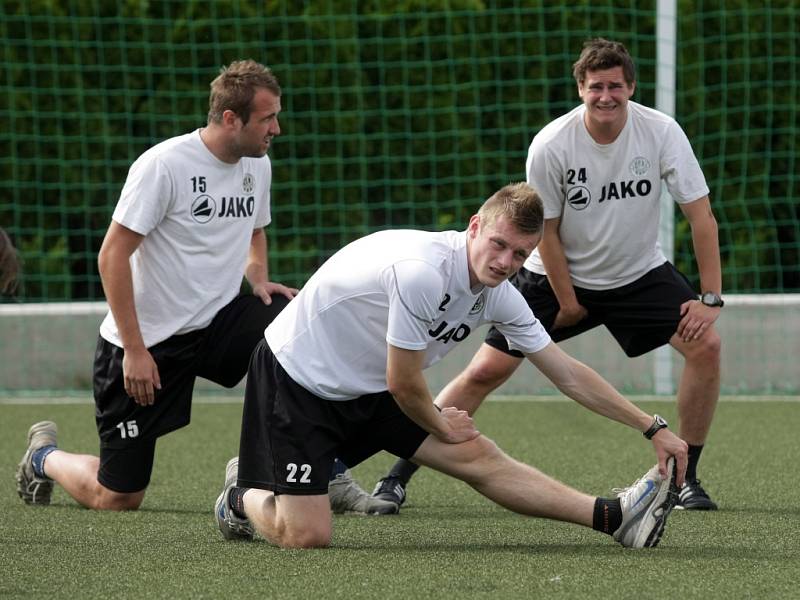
<point x="340" y="374"/>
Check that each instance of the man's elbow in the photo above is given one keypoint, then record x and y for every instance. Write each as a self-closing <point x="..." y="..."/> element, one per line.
<point x="103" y="260"/>
<point x="395" y="388"/>
<point x="401" y="389"/>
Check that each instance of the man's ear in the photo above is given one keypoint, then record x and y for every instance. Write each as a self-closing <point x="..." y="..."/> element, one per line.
<point x="229" y="118"/>
<point x="474" y="226"/>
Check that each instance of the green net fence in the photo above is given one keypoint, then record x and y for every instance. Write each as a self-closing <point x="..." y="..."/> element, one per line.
<point x="396" y="113"/>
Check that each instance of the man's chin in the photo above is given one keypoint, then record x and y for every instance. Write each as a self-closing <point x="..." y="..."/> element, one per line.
<point x="494" y="280"/>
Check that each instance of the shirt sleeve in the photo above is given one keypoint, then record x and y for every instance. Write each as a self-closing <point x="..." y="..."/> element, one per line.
<point x="415" y="290"/>
<point x="513" y="317"/>
<point x="679" y="167"/>
<point x="264" y="210"/>
<point x="146" y="197"/>
<point x="544" y="175"/>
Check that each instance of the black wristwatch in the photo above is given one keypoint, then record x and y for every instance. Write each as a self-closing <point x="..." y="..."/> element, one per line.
<point x="658" y="424"/>
<point x="711" y="299"/>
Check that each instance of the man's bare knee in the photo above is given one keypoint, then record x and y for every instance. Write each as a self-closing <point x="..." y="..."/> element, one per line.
<point x="707" y="350"/>
<point x="307" y="539"/>
<point x="470" y="461"/>
<point x="304" y="536"/>
<point x="111" y="500"/>
<point x="488" y="372"/>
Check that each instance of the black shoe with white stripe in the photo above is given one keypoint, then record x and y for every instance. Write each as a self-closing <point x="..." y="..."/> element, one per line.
<point x="693" y="497"/>
<point x="390" y="489"/>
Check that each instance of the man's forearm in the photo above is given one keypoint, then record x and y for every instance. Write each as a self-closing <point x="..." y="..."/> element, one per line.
<point x="705" y="239"/>
<point x="115" y="274"/>
<point x="257" y="269"/>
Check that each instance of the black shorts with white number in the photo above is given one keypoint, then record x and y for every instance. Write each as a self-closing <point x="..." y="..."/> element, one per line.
<point x="290" y="437"/>
<point x="641" y="316"/>
<point x="219" y="353"/>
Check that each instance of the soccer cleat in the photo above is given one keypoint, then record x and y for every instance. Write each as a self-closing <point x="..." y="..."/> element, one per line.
<point x="390" y="489"/>
<point x="346" y="496"/>
<point x="231" y="526"/>
<point x="693" y="497"/>
<point x="645" y="507"/>
<point x="30" y="487"/>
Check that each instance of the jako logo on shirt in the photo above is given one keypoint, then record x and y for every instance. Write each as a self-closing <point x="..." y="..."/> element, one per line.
<point x="444" y="332"/>
<point x="204" y="207"/>
<point x="578" y="197"/>
<point x="619" y="190"/>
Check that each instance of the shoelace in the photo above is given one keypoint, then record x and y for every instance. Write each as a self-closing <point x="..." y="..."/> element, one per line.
<point x="622" y="491"/>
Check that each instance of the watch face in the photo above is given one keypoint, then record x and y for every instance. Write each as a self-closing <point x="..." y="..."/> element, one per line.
<point x="711" y="299"/>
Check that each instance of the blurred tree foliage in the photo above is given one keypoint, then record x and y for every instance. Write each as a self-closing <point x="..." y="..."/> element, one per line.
<point x="397" y="113"/>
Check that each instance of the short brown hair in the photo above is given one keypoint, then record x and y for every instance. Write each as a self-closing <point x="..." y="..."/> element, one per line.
<point x="234" y="88"/>
<point x="519" y="203"/>
<point x="9" y="264"/>
<point x="600" y="54"/>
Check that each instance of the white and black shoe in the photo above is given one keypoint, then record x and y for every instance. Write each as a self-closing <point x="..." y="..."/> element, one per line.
<point x="231" y="526"/>
<point x="693" y="497"/>
<point x="346" y="496"/>
<point x="645" y="507"/>
<point x="30" y="487"/>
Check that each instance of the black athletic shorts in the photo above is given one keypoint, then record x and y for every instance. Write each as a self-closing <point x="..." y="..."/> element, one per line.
<point x="290" y="437"/>
<point x="641" y="316"/>
<point x="219" y="352"/>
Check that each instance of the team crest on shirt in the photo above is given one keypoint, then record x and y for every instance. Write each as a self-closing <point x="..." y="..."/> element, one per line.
<point x="478" y="306"/>
<point x="203" y="208"/>
<point x="248" y="183"/>
<point x="639" y="166"/>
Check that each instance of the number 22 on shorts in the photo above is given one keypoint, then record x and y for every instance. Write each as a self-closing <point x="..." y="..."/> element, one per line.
<point x="305" y="473"/>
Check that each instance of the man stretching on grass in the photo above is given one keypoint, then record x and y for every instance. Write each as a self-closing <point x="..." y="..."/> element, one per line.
<point x="340" y="373"/>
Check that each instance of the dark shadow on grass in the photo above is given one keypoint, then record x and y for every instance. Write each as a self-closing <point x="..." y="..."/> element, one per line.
<point x="669" y="550"/>
<point x="143" y="510"/>
<point x="478" y="548"/>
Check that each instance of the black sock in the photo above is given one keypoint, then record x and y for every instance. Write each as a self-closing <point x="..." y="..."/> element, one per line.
<point x="607" y="515"/>
<point x="403" y="470"/>
<point x="236" y="501"/>
<point x="694" y="458"/>
<point x="337" y="469"/>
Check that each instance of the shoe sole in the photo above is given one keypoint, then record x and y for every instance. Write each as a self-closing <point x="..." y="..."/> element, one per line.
<point x="670" y="500"/>
<point x="45" y="489"/>
<point x="227" y="532"/>
<point x="392" y="499"/>
<point x="696" y="508"/>
<point x="393" y="510"/>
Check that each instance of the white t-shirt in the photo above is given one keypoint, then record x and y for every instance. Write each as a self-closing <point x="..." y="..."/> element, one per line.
<point x="406" y="288"/>
<point x="607" y="195"/>
<point x="197" y="214"/>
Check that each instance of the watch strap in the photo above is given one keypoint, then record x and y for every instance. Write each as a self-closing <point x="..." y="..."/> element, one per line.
<point x="659" y="423"/>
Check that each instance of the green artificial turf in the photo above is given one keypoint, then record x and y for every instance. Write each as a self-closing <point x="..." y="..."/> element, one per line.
<point x="448" y="542"/>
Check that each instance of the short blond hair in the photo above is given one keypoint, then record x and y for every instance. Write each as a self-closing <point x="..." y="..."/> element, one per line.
<point x="519" y="203"/>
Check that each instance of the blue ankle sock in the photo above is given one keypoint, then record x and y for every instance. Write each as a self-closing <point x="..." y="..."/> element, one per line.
<point x="38" y="457"/>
